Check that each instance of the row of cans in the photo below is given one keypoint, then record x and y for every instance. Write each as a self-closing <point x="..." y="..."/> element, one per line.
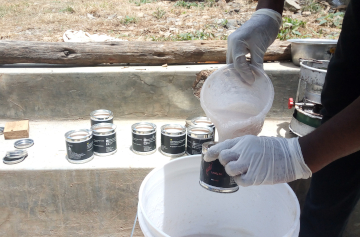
<point x="100" y="140"/>
<point x="176" y="139"/>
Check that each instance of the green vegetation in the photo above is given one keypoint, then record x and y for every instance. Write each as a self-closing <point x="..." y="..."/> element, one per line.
<point x="224" y="23"/>
<point x="68" y="9"/>
<point x="140" y="2"/>
<point x="202" y="5"/>
<point x="332" y="20"/>
<point x="196" y="35"/>
<point x="290" y="28"/>
<point x="129" y="20"/>
<point x="159" y="13"/>
<point x="311" y="6"/>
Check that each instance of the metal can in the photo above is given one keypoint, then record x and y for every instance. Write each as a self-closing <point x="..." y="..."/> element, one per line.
<point x="203" y="121"/>
<point x="143" y="138"/>
<point x="196" y="136"/>
<point x="213" y="176"/>
<point x="173" y="138"/>
<point x="104" y="138"/>
<point x="79" y="146"/>
<point x="101" y="116"/>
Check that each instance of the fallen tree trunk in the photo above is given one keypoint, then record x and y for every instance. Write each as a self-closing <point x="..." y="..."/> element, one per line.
<point x="93" y="53"/>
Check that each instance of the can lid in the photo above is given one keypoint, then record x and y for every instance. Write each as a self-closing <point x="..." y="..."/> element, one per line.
<point x="24" y="143"/>
<point x="207" y="145"/>
<point x="173" y="129"/>
<point x="143" y="128"/>
<point x="14" y="157"/>
<point x="101" y="115"/>
<point x="78" y="135"/>
<point x="103" y="128"/>
<point x="1" y="130"/>
<point x="200" y="132"/>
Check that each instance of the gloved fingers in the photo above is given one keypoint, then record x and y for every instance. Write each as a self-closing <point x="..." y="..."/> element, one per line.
<point x="257" y="57"/>
<point x="243" y="181"/>
<point x="235" y="168"/>
<point x="214" y="151"/>
<point x="227" y="156"/>
<point x="243" y="68"/>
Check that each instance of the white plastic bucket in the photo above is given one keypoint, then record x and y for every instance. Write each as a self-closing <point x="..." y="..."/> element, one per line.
<point x="172" y="203"/>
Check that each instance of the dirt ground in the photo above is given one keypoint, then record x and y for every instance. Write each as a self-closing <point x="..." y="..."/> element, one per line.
<point x="141" y="20"/>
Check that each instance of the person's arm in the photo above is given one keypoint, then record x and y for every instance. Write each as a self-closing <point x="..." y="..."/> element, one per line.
<point x="276" y="5"/>
<point x="338" y="137"/>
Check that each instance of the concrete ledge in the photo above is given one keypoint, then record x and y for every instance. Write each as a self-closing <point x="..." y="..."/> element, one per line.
<point x="57" y="92"/>
<point x="47" y="196"/>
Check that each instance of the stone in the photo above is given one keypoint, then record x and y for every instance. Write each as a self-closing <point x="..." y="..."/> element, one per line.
<point x="292" y="5"/>
<point x="341" y="7"/>
<point x="206" y="17"/>
<point x="90" y="16"/>
<point x="232" y="24"/>
<point x="306" y="13"/>
<point x="112" y="16"/>
<point x="140" y="15"/>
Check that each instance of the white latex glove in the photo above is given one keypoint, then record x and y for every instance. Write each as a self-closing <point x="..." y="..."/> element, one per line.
<point x="256" y="160"/>
<point x="254" y="37"/>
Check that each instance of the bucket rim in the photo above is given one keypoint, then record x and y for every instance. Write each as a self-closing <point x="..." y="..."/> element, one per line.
<point x="148" y="176"/>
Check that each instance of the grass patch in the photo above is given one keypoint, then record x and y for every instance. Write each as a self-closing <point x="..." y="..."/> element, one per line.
<point x="202" y="5"/>
<point x="311" y="6"/>
<point x="129" y="20"/>
<point x="290" y="28"/>
<point x="159" y="13"/>
<point x="141" y="2"/>
<point x="68" y="9"/>
<point x="332" y="20"/>
<point x="196" y="35"/>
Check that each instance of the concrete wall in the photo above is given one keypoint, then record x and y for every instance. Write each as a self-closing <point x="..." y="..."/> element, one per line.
<point x="53" y="92"/>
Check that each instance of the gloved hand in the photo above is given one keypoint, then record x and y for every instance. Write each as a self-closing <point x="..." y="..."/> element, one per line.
<point x="254" y="37"/>
<point x="256" y="160"/>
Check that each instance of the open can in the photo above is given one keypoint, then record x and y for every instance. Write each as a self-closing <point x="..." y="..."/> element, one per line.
<point x="173" y="138"/>
<point x="104" y="137"/>
<point x="143" y="138"/>
<point x="213" y="176"/>
<point x="101" y="116"/>
<point x="203" y="121"/>
<point x="79" y="146"/>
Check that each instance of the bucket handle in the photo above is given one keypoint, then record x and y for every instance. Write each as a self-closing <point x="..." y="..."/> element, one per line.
<point x="133" y="229"/>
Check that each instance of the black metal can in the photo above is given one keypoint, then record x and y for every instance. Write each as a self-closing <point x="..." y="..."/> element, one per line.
<point x="101" y="116"/>
<point x="196" y="136"/>
<point x="143" y="138"/>
<point x="173" y="138"/>
<point x="79" y="146"/>
<point x="104" y="138"/>
<point x="213" y="176"/>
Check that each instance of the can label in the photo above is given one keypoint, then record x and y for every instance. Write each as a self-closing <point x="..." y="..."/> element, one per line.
<point x="104" y="144"/>
<point x="213" y="173"/>
<point x="173" y="145"/>
<point x="194" y="146"/>
<point x="144" y="143"/>
<point x="80" y="151"/>
<point x="93" y="122"/>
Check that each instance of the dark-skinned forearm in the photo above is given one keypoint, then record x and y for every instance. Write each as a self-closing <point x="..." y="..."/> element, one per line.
<point x="338" y="137"/>
<point x="276" y="5"/>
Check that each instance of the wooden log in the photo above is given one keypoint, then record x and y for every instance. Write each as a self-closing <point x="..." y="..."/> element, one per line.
<point x="93" y="53"/>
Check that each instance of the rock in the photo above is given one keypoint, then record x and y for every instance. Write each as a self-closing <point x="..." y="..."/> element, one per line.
<point x="229" y="32"/>
<point x="232" y="24"/>
<point x="171" y="19"/>
<point x="112" y="16"/>
<point x="178" y="23"/>
<point x="140" y="15"/>
<point x="90" y="16"/>
<point x="306" y="13"/>
<point x="206" y="17"/>
<point x="220" y="30"/>
<point x="189" y="24"/>
<point x="292" y="5"/>
<point x="236" y="9"/>
<point x="220" y="21"/>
